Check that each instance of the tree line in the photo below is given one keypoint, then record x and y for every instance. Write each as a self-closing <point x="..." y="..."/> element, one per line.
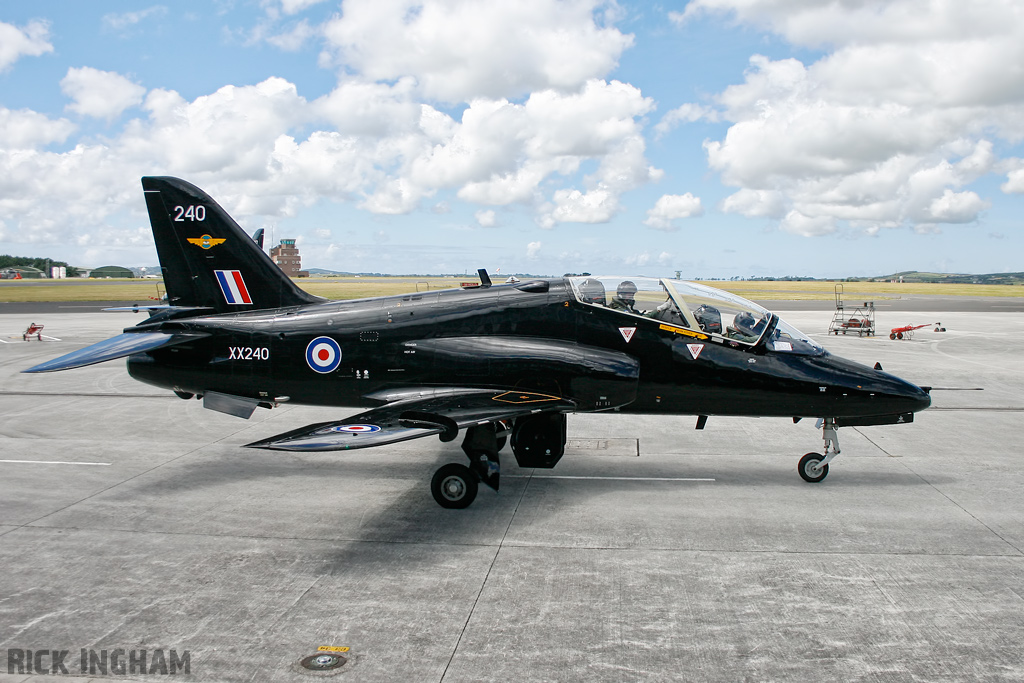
<point x="43" y="264"/>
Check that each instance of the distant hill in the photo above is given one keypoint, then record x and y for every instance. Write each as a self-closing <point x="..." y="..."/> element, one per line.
<point x="955" y="278"/>
<point x="908" y="276"/>
<point x="324" y="271"/>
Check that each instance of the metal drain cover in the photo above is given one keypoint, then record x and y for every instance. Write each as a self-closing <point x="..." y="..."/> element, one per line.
<point x="322" y="663"/>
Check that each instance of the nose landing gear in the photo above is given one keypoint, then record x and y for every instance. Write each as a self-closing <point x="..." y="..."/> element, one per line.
<point x="813" y="467"/>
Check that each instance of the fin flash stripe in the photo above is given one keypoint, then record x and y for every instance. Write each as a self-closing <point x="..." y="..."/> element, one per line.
<point x="233" y="286"/>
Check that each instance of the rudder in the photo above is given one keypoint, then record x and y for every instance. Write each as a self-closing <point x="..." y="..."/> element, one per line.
<point x="207" y="259"/>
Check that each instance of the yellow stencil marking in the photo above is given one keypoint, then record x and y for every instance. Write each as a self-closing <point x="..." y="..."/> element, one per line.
<point x="683" y="331"/>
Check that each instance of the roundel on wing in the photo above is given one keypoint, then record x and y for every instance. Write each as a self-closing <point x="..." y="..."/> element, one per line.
<point x="323" y="355"/>
<point x="356" y="429"/>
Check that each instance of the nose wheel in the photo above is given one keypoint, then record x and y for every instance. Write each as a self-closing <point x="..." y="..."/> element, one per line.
<point x="813" y="467"/>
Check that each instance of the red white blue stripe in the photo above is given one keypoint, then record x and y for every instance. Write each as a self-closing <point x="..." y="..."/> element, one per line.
<point x="233" y="286"/>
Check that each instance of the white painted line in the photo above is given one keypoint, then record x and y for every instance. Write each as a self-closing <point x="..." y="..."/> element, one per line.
<point x="55" y="462"/>
<point x="560" y="476"/>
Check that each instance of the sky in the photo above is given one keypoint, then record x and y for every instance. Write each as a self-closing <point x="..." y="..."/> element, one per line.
<point x="713" y="138"/>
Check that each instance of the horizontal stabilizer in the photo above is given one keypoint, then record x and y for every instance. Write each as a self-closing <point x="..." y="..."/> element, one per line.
<point x="158" y="307"/>
<point x="116" y="347"/>
<point x="443" y="412"/>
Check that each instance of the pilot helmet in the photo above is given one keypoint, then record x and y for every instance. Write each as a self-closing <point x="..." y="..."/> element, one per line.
<point x="745" y="323"/>
<point x="626" y="290"/>
<point x="591" y="292"/>
<point x="709" y="318"/>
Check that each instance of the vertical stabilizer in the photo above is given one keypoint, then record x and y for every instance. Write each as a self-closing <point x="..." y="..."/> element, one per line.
<point x="207" y="259"/>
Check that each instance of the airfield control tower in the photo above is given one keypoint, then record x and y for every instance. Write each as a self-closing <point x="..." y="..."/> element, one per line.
<point x="286" y="256"/>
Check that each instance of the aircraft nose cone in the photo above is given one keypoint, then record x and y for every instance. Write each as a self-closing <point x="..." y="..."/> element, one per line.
<point x="906" y="397"/>
<point x="920" y="399"/>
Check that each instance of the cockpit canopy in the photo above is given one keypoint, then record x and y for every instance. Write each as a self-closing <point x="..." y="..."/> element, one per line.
<point x="693" y="306"/>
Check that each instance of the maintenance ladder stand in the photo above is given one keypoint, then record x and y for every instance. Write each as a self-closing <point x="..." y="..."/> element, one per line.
<point x="862" y="321"/>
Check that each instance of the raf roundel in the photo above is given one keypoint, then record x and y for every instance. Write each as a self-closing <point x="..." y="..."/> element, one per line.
<point x="323" y="355"/>
<point x="356" y="429"/>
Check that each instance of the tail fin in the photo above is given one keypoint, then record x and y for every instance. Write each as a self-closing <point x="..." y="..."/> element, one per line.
<point x="209" y="261"/>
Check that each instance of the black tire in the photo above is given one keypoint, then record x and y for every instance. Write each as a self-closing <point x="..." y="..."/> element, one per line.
<point x="892" y="335"/>
<point x="899" y="335"/>
<point x="454" y="486"/>
<point x="807" y="463"/>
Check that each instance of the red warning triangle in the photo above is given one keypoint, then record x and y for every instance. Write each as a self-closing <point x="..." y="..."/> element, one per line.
<point x="695" y="349"/>
<point x="627" y="333"/>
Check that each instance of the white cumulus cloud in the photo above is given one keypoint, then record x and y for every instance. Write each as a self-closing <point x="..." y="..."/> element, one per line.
<point x="26" y="129"/>
<point x="486" y="218"/>
<point x="32" y="41"/>
<point x="294" y="38"/>
<point x="295" y="6"/>
<point x="670" y="207"/>
<point x="461" y="49"/>
<point x="102" y="94"/>
<point x="537" y="126"/>
<point x="884" y="130"/>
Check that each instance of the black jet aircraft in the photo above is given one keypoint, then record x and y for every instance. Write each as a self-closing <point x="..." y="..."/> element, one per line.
<point x="495" y="361"/>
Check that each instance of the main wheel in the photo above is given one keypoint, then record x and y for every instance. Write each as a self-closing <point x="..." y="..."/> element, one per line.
<point x="809" y="469"/>
<point x="454" y="486"/>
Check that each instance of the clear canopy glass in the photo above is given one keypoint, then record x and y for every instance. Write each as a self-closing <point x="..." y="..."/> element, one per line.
<point x="692" y="306"/>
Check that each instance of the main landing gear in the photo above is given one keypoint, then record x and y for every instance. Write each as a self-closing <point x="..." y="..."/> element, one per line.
<point x="537" y="441"/>
<point x="813" y="467"/>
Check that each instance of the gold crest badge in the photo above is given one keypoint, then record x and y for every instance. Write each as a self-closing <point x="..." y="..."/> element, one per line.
<point x="206" y="241"/>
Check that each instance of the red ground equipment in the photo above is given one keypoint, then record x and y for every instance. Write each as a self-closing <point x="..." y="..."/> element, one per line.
<point x="907" y="331"/>
<point x="33" y="329"/>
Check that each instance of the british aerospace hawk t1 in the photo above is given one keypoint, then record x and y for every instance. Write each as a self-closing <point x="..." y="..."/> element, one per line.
<point x="492" y="361"/>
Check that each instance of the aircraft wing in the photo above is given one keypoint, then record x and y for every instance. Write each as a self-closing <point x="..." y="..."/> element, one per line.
<point x="415" y="414"/>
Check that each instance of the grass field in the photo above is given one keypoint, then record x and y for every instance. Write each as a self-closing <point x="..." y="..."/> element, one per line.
<point x="142" y="291"/>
